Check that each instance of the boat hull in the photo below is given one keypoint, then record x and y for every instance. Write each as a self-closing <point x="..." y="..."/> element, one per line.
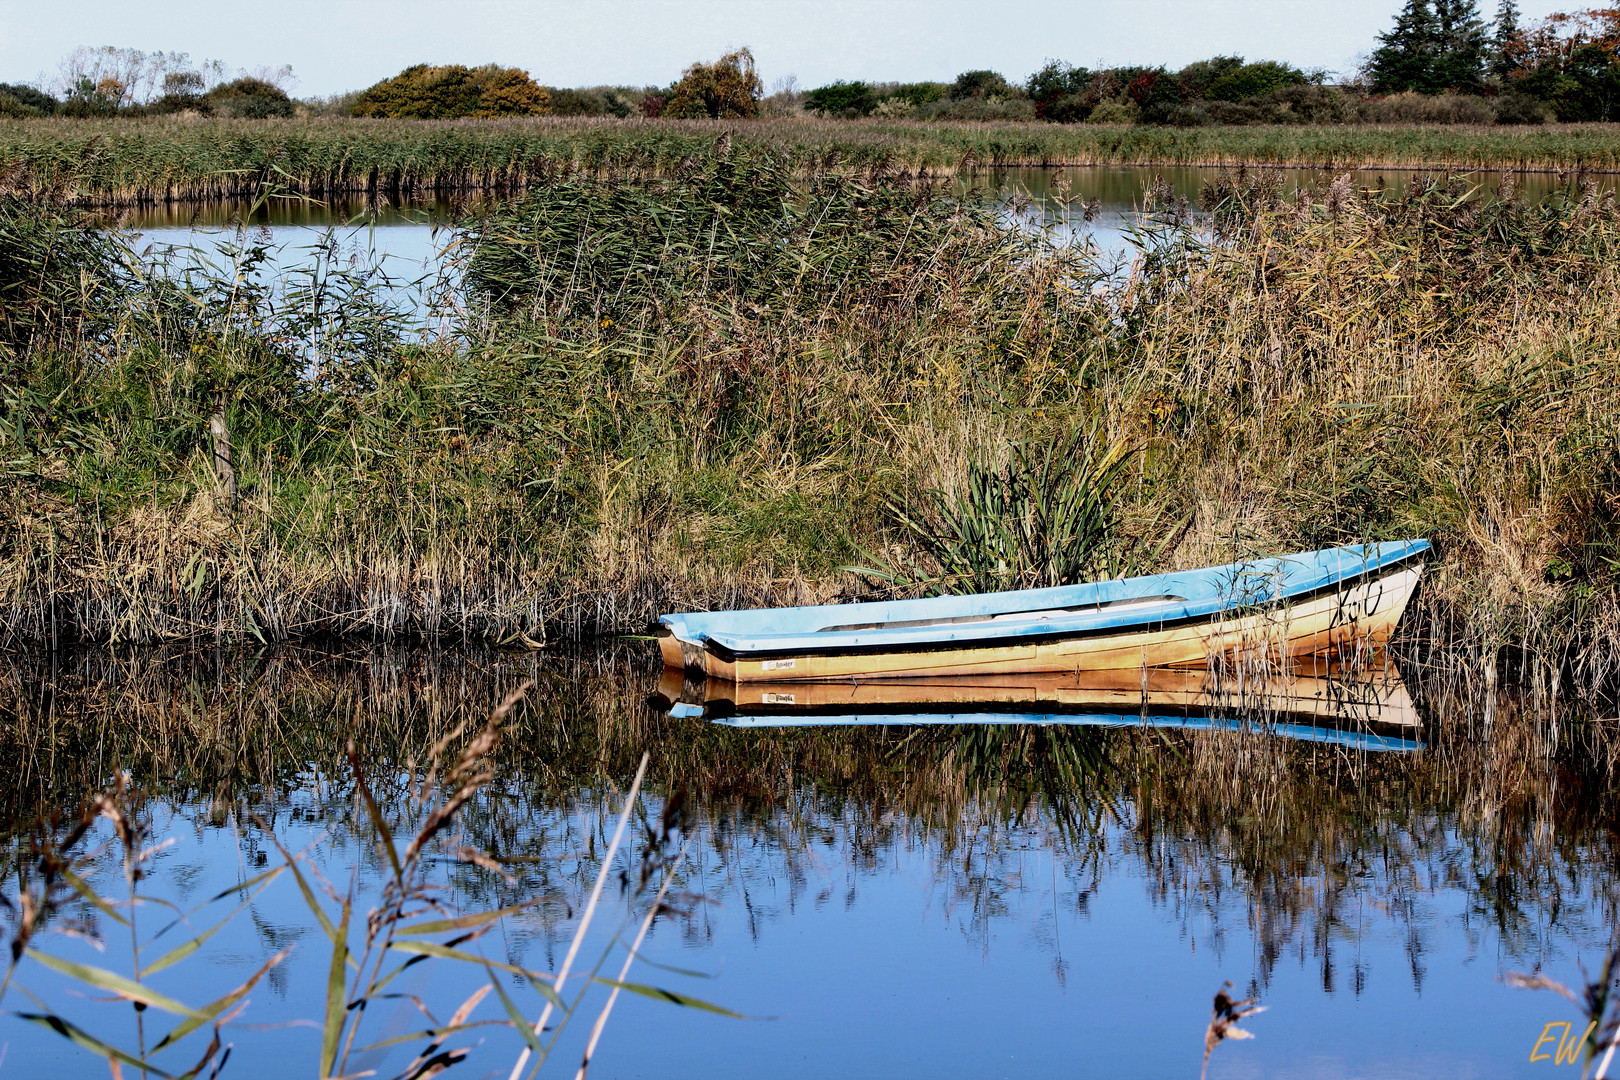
<point x="1314" y="691"/>
<point x="1362" y="613"/>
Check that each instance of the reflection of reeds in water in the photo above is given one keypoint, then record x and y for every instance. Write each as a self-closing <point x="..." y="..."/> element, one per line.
<point x="1515" y="814"/>
<point x="1597" y="1002"/>
<point x="1223" y="1022"/>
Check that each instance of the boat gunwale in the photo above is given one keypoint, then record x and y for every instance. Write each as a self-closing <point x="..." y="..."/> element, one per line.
<point x="1260" y="715"/>
<point x="1037" y="633"/>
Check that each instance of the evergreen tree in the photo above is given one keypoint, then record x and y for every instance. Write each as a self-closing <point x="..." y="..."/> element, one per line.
<point x="1405" y="57"/>
<point x="1463" y="46"/>
<point x="1506" y="40"/>
<point x="1434" y="45"/>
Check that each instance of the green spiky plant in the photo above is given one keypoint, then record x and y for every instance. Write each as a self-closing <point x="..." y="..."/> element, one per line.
<point x="1046" y="517"/>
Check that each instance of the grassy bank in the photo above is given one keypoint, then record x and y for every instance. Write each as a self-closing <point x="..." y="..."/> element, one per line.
<point x="131" y="161"/>
<point x="722" y="388"/>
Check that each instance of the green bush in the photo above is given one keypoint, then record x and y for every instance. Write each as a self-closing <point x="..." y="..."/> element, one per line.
<point x="1056" y="82"/>
<point x="1301" y="104"/>
<point x="1521" y="109"/>
<point x="1047" y="517"/>
<point x="425" y="92"/>
<point x="89" y="98"/>
<point x="919" y="94"/>
<point x="1252" y="80"/>
<point x="1415" y="108"/>
<point x="249" y="99"/>
<point x="981" y="95"/>
<point x="169" y="104"/>
<point x="1308" y="104"/>
<point x="982" y="109"/>
<point x="18" y="99"/>
<point x="576" y="102"/>
<point x="982" y="84"/>
<point x="842" y="99"/>
<point x="1584" y="86"/>
<point x="1070" y="108"/>
<point x="1114" y="112"/>
<point x="618" y="101"/>
<point x="729" y="88"/>
<point x="1158" y="94"/>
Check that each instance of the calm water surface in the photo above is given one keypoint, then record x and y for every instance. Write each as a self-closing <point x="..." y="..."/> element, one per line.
<point x="884" y="899"/>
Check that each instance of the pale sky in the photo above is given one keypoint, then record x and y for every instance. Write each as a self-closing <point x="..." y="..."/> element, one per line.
<point x="337" y="45"/>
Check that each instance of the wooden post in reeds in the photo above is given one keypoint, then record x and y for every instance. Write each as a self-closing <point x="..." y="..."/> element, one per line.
<point x="224" y="473"/>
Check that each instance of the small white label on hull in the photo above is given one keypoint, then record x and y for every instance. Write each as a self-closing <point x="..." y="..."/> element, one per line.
<point x="776" y="665"/>
<point x="776" y="699"/>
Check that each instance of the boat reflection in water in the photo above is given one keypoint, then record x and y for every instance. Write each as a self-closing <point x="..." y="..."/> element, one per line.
<point x="1363" y="708"/>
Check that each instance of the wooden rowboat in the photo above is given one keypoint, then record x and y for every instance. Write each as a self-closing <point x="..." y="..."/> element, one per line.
<point x="1367" y="707"/>
<point x="1307" y="604"/>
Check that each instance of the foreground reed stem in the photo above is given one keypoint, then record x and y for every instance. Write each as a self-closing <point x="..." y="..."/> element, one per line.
<point x="585" y="916"/>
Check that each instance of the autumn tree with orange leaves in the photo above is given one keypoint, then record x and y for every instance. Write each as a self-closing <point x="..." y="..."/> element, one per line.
<point x="1571" y="60"/>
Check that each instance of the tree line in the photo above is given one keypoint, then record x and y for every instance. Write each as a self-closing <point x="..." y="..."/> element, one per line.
<point x="110" y="81"/>
<point x="1440" y="61"/>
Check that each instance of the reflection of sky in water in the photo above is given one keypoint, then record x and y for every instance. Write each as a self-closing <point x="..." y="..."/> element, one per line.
<point x="1108" y="232"/>
<point x="403" y="258"/>
<point x="866" y="946"/>
<point x="877" y="948"/>
<point x="409" y="253"/>
<point x="403" y="244"/>
<point x="406" y="250"/>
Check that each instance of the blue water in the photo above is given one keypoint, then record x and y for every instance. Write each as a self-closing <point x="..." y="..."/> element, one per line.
<point x="886" y="941"/>
<point x="405" y="264"/>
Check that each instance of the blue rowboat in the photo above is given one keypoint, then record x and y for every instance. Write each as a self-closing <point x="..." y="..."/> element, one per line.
<point x="1306" y="604"/>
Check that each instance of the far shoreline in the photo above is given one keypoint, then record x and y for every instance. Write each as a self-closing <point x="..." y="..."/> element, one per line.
<point x="131" y="162"/>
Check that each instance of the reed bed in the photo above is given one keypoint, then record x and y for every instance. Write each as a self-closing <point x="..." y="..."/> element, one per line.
<point x="123" y="162"/>
<point x="724" y="386"/>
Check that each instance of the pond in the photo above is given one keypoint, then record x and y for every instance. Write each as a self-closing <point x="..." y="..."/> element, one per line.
<point x="408" y="242"/>
<point x="980" y="881"/>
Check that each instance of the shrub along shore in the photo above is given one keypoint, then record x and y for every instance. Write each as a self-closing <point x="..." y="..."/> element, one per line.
<point x="124" y="162"/>
<point x="725" y="386"/>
